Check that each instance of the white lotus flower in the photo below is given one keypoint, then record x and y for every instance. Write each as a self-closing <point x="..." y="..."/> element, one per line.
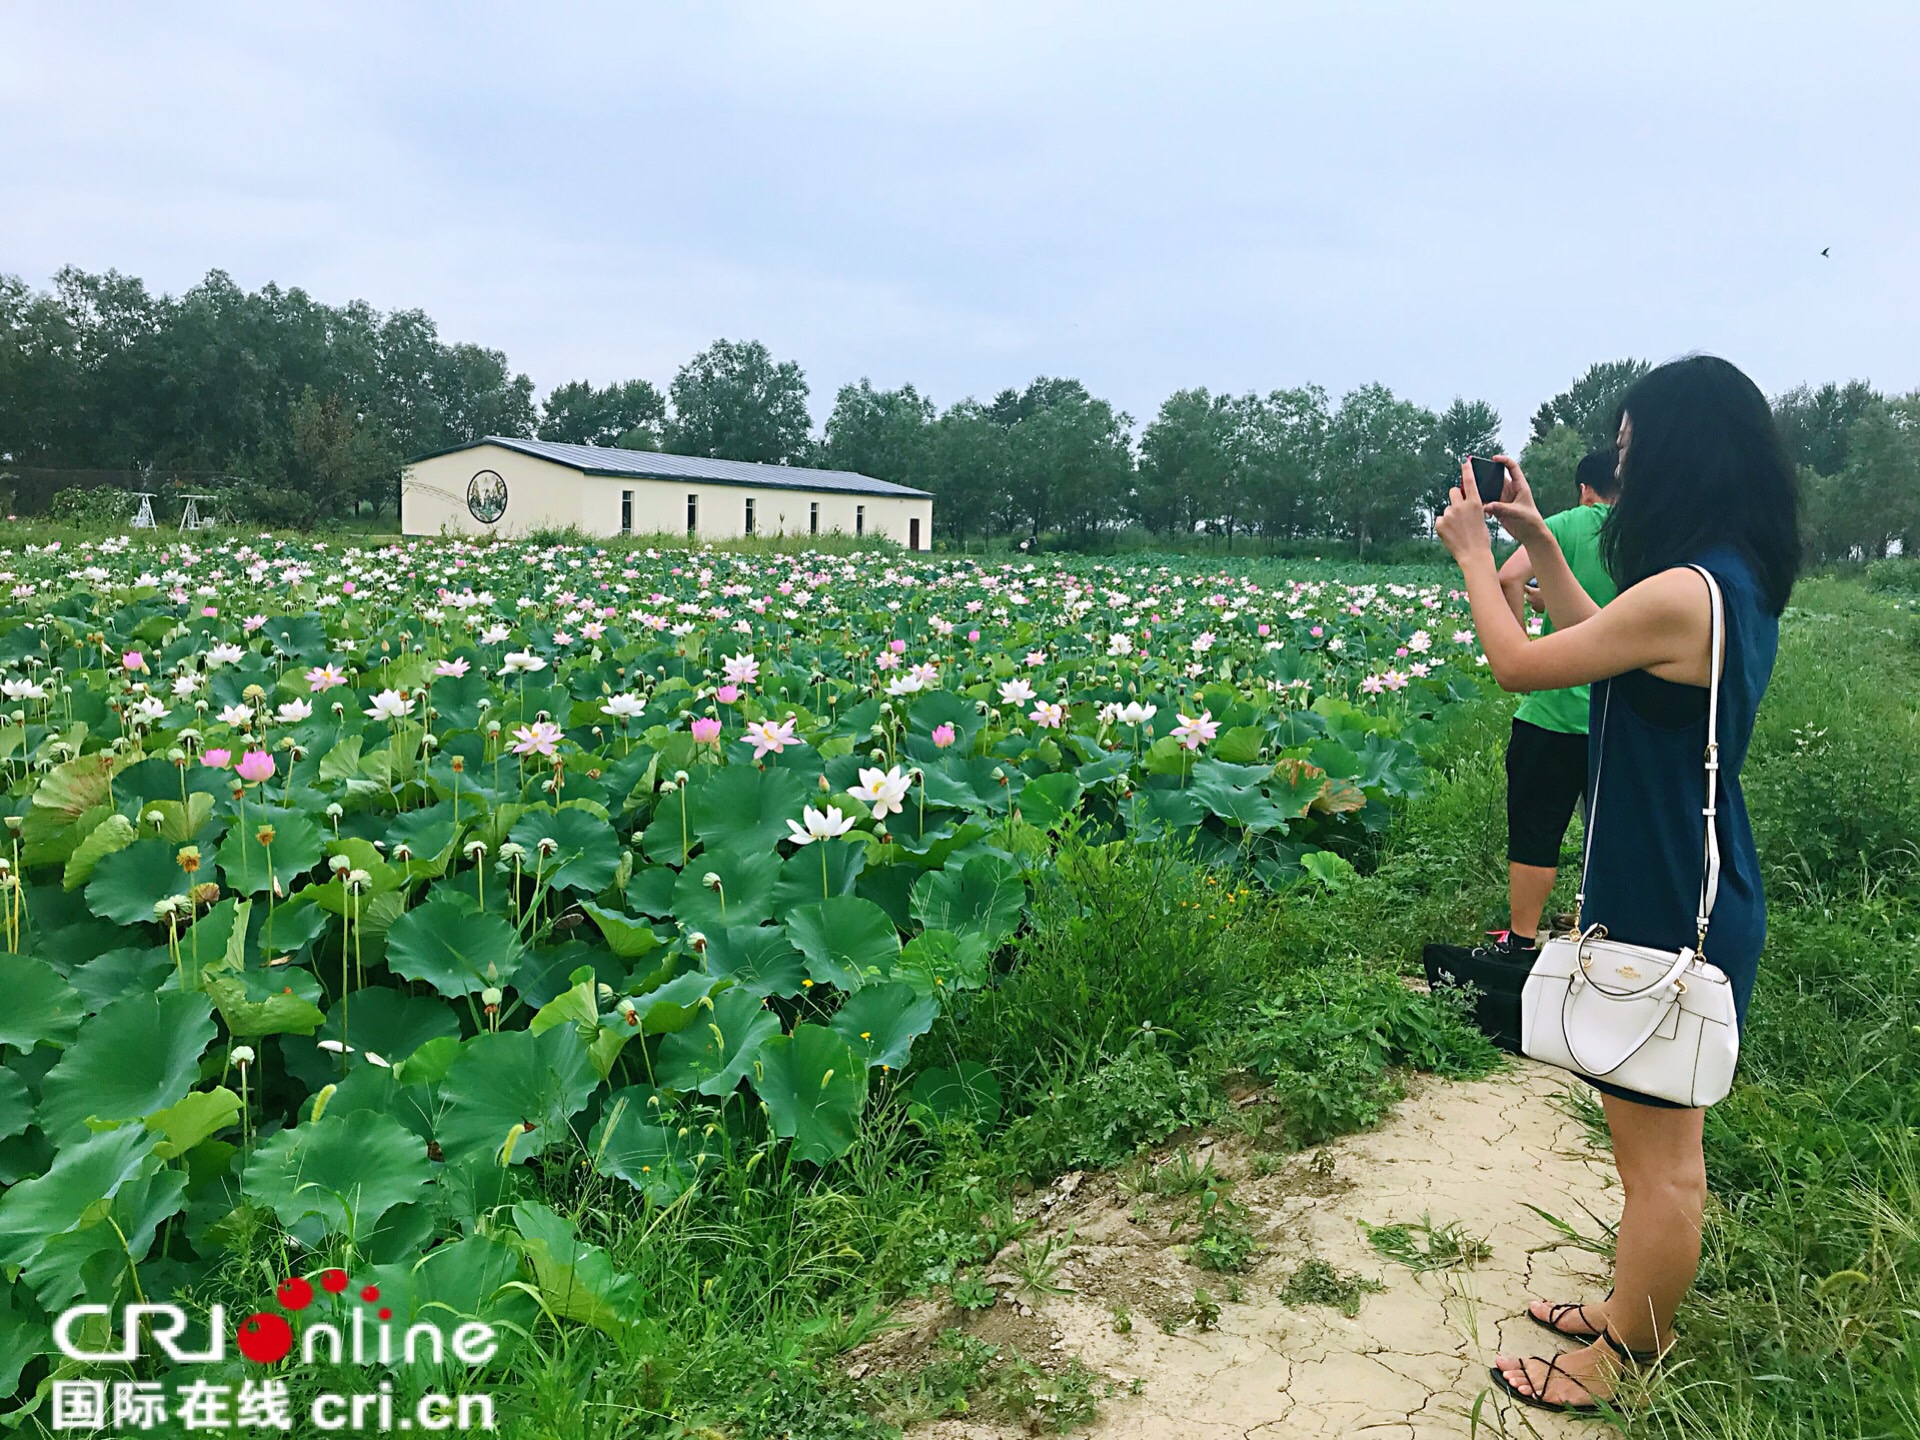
<point x="882" y="790"/>
<point x="825" y="824"/>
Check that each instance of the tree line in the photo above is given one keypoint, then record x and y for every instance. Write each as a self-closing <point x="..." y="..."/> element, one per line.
<point x="310" y="410"/>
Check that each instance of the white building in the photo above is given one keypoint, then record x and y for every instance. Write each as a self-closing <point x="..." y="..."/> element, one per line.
<point x="510" y="487"/>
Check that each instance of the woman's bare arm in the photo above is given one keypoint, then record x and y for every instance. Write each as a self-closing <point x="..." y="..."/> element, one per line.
<point x="1660" y="625"/>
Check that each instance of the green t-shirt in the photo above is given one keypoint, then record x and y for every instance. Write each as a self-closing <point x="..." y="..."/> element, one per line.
<point x="1578" y="531"/>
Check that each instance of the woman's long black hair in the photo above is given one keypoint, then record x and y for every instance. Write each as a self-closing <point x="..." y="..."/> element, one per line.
<point x="1704" y="466"/>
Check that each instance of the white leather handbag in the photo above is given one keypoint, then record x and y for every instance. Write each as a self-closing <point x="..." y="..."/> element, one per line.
<point x="1660" y="1022"/>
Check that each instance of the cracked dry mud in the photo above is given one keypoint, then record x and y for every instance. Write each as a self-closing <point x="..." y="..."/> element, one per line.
<point x="1409" y="1366"/>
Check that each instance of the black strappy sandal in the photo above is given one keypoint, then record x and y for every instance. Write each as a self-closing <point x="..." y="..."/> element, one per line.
<point x="1630" y="1360"/>
<point x="1554" y="1312"/>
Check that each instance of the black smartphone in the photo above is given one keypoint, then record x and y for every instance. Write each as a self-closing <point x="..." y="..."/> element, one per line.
<point x="1490" y="477"/>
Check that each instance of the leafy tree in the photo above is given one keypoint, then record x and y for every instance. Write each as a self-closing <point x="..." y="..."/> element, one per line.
<point x="1815" y="424"/>
<point x="631" y="414"/>
<point x="1873" y="503"/>
<point x="1070" y="459"/>
<point x="968" y="470"/>
<point x="1587" y="406"/>
<point x="1279" y="443"/>
<point x="1183" y="462"/>
<point x="1382" y="453"/>
<point x="1551" y="462"/>
<point x="887" y="434"/>
<point x="733" y="401"/>
<point x="332" y="453"/>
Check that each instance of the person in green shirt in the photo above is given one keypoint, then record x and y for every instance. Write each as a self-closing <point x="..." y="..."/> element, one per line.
<point x="1547" y="754"/>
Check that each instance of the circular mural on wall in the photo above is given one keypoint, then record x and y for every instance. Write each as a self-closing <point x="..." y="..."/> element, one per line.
<point x="487" y="496"/>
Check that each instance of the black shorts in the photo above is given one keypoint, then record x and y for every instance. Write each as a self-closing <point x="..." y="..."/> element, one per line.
<point x="1546" y="778"/>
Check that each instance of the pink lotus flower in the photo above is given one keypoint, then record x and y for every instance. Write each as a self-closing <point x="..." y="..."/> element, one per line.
<point x="727" y="694"/>
<point x="253" y="623"/>
<point x="217" y="759"/>
<point x="1194" y="733"/>
<point x="943" y="736"/>
<point x="1316" y="632"/>
<point x="767" y="736"/>
<point x="899" y="647"/>
<point x="324" y="677"/>
<point x="973" y="637"/>
<point x="1373" y="685"/>
<point x="134" y="661"/>
<point x="255" y="766"/>
<point x="706" y="731"/>
<point x="540" y="736"/>
<point x="1262" y="629"/>
<point x="451" y="669"/>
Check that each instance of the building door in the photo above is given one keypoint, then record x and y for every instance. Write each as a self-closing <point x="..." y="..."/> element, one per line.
<point x="913" y="533"/>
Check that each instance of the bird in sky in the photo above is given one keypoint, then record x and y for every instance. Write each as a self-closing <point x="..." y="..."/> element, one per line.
<point x="1823" y="253"/>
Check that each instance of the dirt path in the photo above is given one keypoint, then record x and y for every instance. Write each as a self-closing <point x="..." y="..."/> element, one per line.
<point x="1411" y="1363"/>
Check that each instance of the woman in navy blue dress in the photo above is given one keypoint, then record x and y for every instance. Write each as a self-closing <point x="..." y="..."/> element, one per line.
<point x="1704" y="480"/>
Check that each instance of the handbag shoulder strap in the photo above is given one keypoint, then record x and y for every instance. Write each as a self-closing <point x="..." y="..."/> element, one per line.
<point x="1710" y="869"/>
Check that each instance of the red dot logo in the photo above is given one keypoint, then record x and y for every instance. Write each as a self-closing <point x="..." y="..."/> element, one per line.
<point x="333" y="1281"/>
<point x="264" y="1338"/>
<point x="385" y="1313"/>
<point x="294" y="1293"/>
<point x="370" y="1294"/>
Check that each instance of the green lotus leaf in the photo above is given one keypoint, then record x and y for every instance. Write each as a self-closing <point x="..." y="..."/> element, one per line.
<point x="1233" y="792"/>
<point x="200" y="1116"/>
<point x="92" y="1168"/>
<point x="760" y="959"/>
<point x="627" y="936"/>
<point x="676" y="1004"/>
<point x="111" y="835"/>
<point x="712" y="1053"/>
<point x="180" y="823"/>
<point x="969" y="1091"/>
<point x="848" y="942"/>
<point x="656" y="1159"/>
<point x="745" y="896"/>
<point x="502" y="1083"/>
<point x="1240" y="745"/>
<point x="881" y="1023"/>
<point x="250" y="867"/>
<point x="577" y="1281"/>
<point x="22" y="1338"/>
<point x="39" y="1005"/>
<point x="938" y="962"/>
<point x="138" y="1055"/>
<point x="813" y="1086"/>
<point x="741" y="807"/>
<point x="802" y="881"/>
<point x="98" y="1255"/>
<point x="1294" y="786"/>
<point x="346" y="1169"/>
<point x="16" y="1105"/>
<point x="127" y="884"/>
<point x="390" y="1023"/>
<point x="585" y="854"/>
<point x="452" y="948"/>
<point x="476" y="1278"/>
<point x="115" y="973"/>
<point x="1049" y="800"/>
<point x="987" y="896"/>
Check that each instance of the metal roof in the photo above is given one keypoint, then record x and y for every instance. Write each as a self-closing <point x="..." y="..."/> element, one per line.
<point x="657" y="465"/>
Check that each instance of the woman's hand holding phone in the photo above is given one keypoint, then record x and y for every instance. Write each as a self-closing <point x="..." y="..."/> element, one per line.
<point x="1516" y="511"/>
<point x="1463" y="528"/>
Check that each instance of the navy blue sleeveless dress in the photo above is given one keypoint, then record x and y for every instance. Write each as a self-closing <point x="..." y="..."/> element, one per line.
<point x="1648" y="831"/>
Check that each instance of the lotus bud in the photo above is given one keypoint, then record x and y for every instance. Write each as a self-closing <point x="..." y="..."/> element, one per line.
<point x="603" y="995"/>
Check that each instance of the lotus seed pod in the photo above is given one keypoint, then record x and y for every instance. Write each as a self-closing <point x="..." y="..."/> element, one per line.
<point x="490" y="995"/>
<point x="243" y="1055"/>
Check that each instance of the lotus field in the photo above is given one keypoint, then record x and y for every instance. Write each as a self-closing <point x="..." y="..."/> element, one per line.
<point x="353" y="895"/>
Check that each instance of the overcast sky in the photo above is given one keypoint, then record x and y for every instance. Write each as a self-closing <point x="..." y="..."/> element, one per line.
<point x="1451" y="198"/>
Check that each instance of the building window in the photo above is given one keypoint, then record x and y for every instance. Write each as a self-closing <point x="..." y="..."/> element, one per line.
<point x="626" y="512"/>
<point x="813" y="518"/>
<point x="693" y="514"/>
<point x="749" y="515"/>
<point x="859" y="520"/>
